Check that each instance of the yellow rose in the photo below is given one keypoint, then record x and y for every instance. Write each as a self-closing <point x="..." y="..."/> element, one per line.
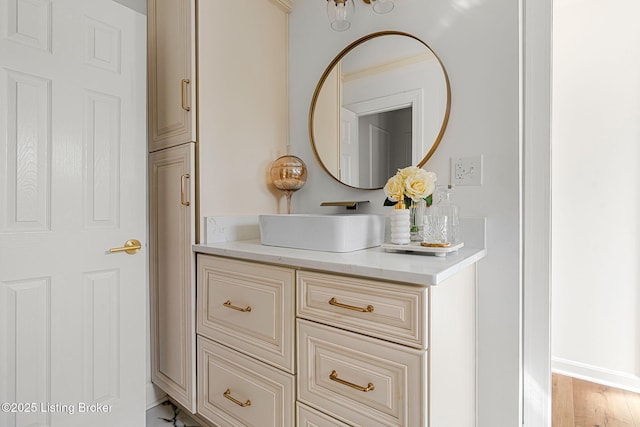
<point x="430" y="180"/>
<point x="394" y="189"/>
<point x="409" y="171"/>
<point x="414" y="187"/>
<point x="419" y="183"/>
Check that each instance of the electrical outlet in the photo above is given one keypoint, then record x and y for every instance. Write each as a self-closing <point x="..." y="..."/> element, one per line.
<point x="466" y="170"/>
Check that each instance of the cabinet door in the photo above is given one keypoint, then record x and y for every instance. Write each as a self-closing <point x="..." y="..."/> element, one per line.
<point x="387" y="310"/>
<point x="235" y="390"/>
<point x="249" y="307"/>
<point x="361" y="380"/>
<point x="171" y="69"/>
<point x="172" y="272"/>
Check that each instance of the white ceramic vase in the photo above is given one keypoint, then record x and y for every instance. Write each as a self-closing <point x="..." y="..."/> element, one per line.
<point x="400" y="226"/>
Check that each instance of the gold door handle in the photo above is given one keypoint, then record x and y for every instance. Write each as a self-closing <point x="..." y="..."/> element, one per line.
<point x="229" y="305"/>
<point x="130" y="246"/>
<point x="367" y="309"/>
<point x="185" y="82"/>
<point x="227" y="394"/>
<point x="334" y="377"/>
<point x="183" y="190"/>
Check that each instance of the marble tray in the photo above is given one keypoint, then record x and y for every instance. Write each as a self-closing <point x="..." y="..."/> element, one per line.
<point x="416" y="247"/>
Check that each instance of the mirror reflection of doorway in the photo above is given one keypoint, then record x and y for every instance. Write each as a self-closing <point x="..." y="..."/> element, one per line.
<point x="384" y="142"/>
<point x="373" y="146"/>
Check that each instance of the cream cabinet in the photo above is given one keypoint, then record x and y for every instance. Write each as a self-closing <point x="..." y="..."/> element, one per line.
<point x="172" y="215"/>
<point x="245" y="324"/>
<point x="359" y="377"/>
<point x="172" y="273"/>
<point x="381" y="353"/>
<point x="318" y="348"/>
<point x="171" y="73"/>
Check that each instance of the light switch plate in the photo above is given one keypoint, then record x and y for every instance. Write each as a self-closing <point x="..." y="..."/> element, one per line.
<point x="466" y="170"/>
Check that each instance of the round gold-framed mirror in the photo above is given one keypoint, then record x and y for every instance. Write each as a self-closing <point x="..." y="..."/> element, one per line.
<point x="382" y="104"/>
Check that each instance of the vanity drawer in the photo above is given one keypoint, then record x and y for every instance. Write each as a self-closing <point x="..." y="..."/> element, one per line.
<point x="387" y="310"/>
<point x="236" y="390"/>
<point x="309" y="417"/>
<point x="249" y="307"/>
<point x="361" y="380"/>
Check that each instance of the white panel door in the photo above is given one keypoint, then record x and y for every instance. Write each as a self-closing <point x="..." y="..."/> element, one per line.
<point x="72" y="186"/>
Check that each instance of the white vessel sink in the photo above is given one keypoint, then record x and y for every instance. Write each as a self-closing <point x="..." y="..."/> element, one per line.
<point x="329" y="233"/>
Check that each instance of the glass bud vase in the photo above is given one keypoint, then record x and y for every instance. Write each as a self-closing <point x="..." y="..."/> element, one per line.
<point x="400" y="225"/>
<point x="416" y="215"/>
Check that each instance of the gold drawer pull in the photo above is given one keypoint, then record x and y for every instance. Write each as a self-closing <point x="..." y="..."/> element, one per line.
<point x="183" y="191"/>
<point x="227" y="394"/>
<point x="334" y="377"/>
<point x="229" y="305"/>
<point x="367" y="309"/>
<point x="185" y="82"/>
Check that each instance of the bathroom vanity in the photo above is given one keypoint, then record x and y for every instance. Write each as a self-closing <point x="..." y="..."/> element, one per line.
<point x="294" y="337"/>
<point x="290" y="337"/>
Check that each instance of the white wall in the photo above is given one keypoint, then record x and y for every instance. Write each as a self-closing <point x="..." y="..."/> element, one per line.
<point x="242" y="105"/>
<point x="478" y="42"/>
<point x="596" y="191"/>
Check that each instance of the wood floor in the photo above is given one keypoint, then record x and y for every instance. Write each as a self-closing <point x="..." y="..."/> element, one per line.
<point x="578" y="403"/>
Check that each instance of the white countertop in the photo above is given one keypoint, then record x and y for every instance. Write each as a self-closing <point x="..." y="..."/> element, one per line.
<point x="412" y="268"/>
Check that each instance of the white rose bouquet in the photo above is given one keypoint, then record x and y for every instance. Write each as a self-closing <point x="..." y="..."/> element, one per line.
<point x="410" y="184"/>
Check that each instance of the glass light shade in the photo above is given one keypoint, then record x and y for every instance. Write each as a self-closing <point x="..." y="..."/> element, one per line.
<point x="382" y="6"/>
<point x="288" y="174"/>
<point x="340" y="13"/>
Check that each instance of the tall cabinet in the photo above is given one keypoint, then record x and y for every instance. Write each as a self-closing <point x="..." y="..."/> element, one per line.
<point x="241" y="119"/>
<point x="172" y="215"/>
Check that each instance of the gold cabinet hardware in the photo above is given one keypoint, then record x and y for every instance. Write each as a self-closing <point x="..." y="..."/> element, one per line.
<point x="227" y="394"/>
<point x="367" y="309"/>
<point x="130" y="246"/>
<point x="183" y="191"/>
<point x="334" y="377"/>
<point x="229" y="305"/>
<point x="185" y="82"/>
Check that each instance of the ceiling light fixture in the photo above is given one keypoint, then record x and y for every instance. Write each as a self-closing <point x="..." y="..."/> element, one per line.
<point x="340" y="12"/>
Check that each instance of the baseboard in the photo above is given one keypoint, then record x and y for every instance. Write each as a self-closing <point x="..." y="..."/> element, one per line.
<point x="596" y="374"/>
<point x="155" y="395"/>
